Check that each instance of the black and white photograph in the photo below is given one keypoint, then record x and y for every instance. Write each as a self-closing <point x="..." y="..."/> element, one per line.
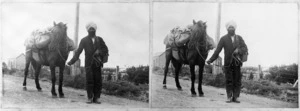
<point x="75" y="55"/>
<point x="225" y="55"/>
<point x="144" y="55"/>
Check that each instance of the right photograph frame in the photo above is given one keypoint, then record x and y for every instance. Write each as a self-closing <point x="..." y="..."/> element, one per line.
<point x="224" y="55"/>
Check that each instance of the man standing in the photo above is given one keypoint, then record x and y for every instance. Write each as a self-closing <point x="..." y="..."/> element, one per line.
<point x="233" y="45"/>
<point x="94" y="48"/>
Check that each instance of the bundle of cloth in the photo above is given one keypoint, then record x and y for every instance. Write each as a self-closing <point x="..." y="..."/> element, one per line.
<point x="178" y="37"/>
<point x="40" y="39"/>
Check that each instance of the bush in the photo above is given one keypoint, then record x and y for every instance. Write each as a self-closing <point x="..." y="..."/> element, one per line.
<point x="156" y="68"/>
<point x="214" y="80"/>
<point x="12" y="71"/>
<point x="126" y="89"/>
<point x="284" y="73"/>
<point x="268" y="88"/>
<point x="77" y="81"/>
<point x="138" y="75"/>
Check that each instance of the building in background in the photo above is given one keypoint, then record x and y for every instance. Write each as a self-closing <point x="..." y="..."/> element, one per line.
<point x="159" y="60"/>
<point x="17" y="63"/>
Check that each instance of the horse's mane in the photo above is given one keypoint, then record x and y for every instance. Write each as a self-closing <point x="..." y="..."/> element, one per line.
<point x="198" y="35"/>
<point x="58" y="36"/>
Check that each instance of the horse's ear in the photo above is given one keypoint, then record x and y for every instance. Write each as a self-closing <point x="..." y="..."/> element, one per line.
<point x="54" y="23"/>
<point x="194" y="22"/>
<point x="204" y="23"/>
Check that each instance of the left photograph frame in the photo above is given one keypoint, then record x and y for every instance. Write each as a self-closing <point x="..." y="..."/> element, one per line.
<point x="75" y="55"/>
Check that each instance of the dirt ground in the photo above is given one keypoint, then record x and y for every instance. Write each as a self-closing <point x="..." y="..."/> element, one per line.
<point x="214" y="97"/>
<point x="15" y="97"/>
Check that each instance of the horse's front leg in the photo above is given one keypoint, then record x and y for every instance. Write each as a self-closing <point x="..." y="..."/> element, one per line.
<point x="193" y="76"/>
<point x="201" y="66"/>
<point x="53" y="77"/>
<point x="168" y="59"/>
<point x="61" y="78"/>
<point x="26" y="73"/>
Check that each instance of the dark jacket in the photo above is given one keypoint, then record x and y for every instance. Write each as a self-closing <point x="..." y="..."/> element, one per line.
<point x="86" y="43"/>
<point x="229" y="47"/>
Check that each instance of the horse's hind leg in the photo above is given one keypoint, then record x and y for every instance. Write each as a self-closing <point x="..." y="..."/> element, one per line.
<point x="168" y="60"/>
<point x="37" y="73"/>
<point x="193" y="76"/>
<point x="201" y="66"/>
<point x="53" y="78"/>
<point x="177" y="66"/>
<point x="25" y="74"/>
<point x="61" y="71"/>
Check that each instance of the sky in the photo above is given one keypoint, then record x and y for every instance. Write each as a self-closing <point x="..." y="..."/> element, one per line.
<point x="270" y="30"/>
<point x="123" y="26"/>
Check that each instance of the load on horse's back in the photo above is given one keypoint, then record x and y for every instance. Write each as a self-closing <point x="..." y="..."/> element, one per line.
<point x="190" y="46"/>
<point x="49" y="47"/>
<point x="178" y="40"/>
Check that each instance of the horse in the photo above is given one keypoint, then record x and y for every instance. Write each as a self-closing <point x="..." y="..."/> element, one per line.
<point x="55" y="55"/>
<point x="197" y="53"/>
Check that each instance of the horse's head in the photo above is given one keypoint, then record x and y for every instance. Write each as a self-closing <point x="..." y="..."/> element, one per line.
<point x="198" y="33"/>
<point x="59" y="37"/>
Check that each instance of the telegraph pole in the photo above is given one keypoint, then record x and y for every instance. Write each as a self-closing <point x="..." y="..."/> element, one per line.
<point x="218" y="63"/>
<point x="77" y="63"/>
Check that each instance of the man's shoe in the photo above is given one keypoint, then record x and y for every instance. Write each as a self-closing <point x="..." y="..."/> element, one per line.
<point x="229" y="100"/>
<point x="236" y="100"/>
<point x="97" y="100"/>
<point x="89" y="101"/>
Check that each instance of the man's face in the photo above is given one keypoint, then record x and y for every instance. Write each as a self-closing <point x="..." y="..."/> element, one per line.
<point x="231" y="30"/>
<point x="91" y="30"/>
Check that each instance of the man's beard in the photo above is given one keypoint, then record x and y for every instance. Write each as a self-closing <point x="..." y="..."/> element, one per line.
<point x="231" y="32"/>
<point x="92" y="33"/>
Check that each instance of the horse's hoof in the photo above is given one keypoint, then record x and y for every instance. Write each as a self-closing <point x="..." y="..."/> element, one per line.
<point x="194" y="95"/>
<point x="39" y="90"/>
<point x="61" y="96"/>
<point x="201" y="95"/>
<point x="24" y="88"/>
<point x="180" y="89"/>
<point x="165" y="87"/>
<point x="54" y="96"/>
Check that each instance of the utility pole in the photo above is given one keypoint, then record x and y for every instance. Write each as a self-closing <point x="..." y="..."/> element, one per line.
<point x="77" y="63"/>
<point x="217" y="65"/>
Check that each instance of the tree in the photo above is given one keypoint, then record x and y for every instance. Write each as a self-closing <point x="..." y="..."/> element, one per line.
<point x="4" y="68"/>
<point x="284" y="73"/>
<point x="109" y="77"/>
<point x="251" y="76"/>
<point x="119" y="76"/>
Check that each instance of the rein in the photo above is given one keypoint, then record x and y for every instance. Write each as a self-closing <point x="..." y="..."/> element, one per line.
<point x="59" y="53"/>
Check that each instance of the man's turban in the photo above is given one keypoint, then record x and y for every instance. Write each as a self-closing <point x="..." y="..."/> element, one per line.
<point x="90" y="25"/>
<point x="231" y="23"/>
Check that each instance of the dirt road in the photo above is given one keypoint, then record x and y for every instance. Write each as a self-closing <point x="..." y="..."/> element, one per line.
<point x="214" y="97"/>
<point x="15" y="97"/>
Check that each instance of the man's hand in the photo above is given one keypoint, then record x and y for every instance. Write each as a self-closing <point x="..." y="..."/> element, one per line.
<point x="208" y="62"/>
<point x="69" y="63"/>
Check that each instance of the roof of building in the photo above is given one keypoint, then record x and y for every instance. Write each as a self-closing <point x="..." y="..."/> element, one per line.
<point x="21" y="55"/>
<point x="158" y="54"/>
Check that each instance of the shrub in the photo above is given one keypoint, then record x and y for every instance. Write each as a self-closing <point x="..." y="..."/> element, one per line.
<point x="284" y="73"/>
<point x="12" y="71"/>
<point x="138" y="75"/>
<point x="77" y="81"/>
<point x="126" y="89"/>
<point x="156" y="68"/>
<point x="214" y="80"/>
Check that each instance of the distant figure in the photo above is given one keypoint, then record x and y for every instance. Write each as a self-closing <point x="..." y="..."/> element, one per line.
<point x="234" y="46"/>
<point x="96" y="53"/>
